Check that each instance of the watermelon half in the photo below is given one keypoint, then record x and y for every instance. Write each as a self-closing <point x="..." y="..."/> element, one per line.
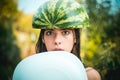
<point x="60" y="14"/>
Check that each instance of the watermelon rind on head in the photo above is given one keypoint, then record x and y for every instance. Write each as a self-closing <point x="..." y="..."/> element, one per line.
<point x="60" y="14"/>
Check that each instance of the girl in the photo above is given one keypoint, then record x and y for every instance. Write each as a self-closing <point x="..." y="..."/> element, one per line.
<point x="60" y="22"/>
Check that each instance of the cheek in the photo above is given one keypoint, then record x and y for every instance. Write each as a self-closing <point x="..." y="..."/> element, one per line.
<point x="48" y="43"/>
<point x="71" y="39"/>
<point x="69" y="43"/>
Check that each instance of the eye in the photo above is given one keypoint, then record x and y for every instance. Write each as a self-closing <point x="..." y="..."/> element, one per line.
<point x="48" y="33"/>
<point x="66" y="32"/>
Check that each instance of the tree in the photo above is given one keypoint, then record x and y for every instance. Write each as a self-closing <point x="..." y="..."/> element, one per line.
<point x="9" y="51"/>
<point x="102" y="49"/>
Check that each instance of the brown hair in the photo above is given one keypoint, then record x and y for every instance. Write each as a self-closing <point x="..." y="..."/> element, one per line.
<point x="40" y="46"/>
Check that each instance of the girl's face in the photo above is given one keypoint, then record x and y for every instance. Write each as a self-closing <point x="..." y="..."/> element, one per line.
<point x="59" y="39"/>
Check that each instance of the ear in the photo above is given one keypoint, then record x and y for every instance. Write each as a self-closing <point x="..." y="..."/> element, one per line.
<point x="74" y="40"/>
<point x="43" y="40"/>
<point x="74" y="37"/>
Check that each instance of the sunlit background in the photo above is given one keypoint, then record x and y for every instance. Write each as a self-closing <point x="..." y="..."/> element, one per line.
<point x="29" y="6"/>
<point x="100" y="43"/>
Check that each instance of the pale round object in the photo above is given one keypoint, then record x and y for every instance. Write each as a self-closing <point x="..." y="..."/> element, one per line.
<point x="52" y="65"/>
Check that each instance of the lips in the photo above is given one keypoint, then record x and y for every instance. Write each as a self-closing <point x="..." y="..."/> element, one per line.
<point x="58" y="49"/>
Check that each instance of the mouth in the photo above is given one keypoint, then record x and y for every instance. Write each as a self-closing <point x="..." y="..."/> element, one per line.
<point x="58" y="49"/>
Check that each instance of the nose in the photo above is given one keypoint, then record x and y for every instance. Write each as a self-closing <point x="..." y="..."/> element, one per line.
<point x="58" y="39"/>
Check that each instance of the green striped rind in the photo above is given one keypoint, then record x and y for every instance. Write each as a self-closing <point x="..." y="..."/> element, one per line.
<point x="60" y="14"/>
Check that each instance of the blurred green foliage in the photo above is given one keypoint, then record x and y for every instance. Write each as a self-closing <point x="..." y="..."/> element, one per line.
<point x="17" y="38"/>
<point x="101" y="47"/>
<point x="9" y="51"/>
